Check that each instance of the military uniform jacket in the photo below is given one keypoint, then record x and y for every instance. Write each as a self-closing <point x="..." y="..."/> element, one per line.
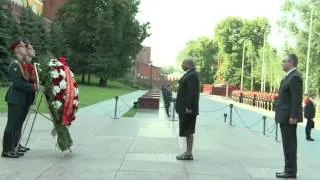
<point x="188" y="93"/>
<point x="309" y="110"/>
<point x="289" y="103"/>
<point x="20" y="88"/>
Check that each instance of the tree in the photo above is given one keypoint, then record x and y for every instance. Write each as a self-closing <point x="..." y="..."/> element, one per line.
<point x="236" y="36"/>
<point x="296" y="22"/>
<point x="4" y="38"/>
<point x="103" y="36"/>
<point x="204" y="50"/>
<point x="33" y="29"/>
<point x="168" y="70"/>
<point x="57" y="44"/>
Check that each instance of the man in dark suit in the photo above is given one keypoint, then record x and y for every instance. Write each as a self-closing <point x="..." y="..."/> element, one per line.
<point x="187" y="105"/>
<point x="309" y="114"/>
<point x="289" y="113"/>
<point x="17" y="100"/>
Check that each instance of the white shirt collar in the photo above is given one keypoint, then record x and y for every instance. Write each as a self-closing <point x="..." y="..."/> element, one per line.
<point x="187" y="71"/>
<point x="290" y="71"/>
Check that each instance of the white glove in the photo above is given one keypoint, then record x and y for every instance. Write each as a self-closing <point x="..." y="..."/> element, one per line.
<point x="40" y="88"/>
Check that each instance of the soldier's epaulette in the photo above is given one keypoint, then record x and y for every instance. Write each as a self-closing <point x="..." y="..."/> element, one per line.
<point x="21" y="70"/>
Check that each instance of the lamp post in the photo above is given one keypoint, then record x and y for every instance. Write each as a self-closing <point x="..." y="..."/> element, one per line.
<point x="263" y="64"/>
<point x="251" y="60"/>
<point x="151" y="82"/>
<point x="242" y="67"/>
<point x="308" y="54"/>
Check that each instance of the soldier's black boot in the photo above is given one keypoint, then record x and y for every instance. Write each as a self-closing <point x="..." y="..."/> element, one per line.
<point x="7" y="144"/>
<point x="21" y="148"/>
<point x="16" y="148"/>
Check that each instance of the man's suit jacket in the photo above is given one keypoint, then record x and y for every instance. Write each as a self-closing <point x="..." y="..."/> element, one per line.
<point x="20" y="89"/>
<point x="289" y="103"/>
<point x="188" y="93"/>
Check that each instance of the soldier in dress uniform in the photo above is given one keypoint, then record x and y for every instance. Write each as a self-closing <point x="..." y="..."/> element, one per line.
<point x="29" y="71"/>
<point x="309" y="114"/>
<point x="17" y="100"/>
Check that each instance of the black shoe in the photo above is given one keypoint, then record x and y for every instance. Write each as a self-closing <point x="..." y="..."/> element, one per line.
<point x="185" y="156"/>
<point x="24" y="148"/>
<point x="286" y="175"/>
<point x="310" y="139"/>
<point x="19" y="153"/>
<point x="21" y="150"/>
<point x="9" y="155"/>
<point x="280" y="172"/>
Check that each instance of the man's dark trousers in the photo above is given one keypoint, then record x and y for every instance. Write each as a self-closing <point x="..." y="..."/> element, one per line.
<point x="289" y="142"/>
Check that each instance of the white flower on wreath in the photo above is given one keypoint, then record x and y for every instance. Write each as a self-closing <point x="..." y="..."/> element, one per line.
<point x="75" y="102"/>
<point x="76" y="91"/>
<point x="57" y="104"/>
<point x="72" y="75"/>
<point x="54" y="74"/>
<point x="63" y="84"/>
<point x="63" y="73"/>
<point x="58" y="63"/>
<point x="56" y="90"/>
<point x="52" y="63"/>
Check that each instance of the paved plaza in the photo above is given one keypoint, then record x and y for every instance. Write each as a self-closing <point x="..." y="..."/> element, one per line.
<point x="144" y="147"/>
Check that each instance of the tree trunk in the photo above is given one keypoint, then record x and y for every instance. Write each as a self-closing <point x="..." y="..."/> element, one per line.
<point x="82" y="78"/>
<point x="89" y="78"/>
<point x="103" y="82"/>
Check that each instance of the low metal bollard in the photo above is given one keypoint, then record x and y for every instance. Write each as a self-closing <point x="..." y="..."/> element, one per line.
<point x="225" y="117"/>
<point x="264" y="124"/>
<point x="231" y="107"/>
<point x="116" y="107"/>
<point x="173" y="109"/>
<point x="277" y="131"/>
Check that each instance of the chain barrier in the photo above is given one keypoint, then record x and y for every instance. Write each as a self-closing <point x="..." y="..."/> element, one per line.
<point x="267" y="131"/>
<point x="221" y="117"/>
<point x="216" y="110"/>
<point x="244" y="124"/>
<point x="271" y="129"/>
<point x="125" y="103"/>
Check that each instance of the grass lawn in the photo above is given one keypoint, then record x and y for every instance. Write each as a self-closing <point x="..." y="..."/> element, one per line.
<point x="130" y="113"/>
<point x="88" y="94"/>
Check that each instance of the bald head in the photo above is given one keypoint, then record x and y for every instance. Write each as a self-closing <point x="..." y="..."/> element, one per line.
<point x="188" y="64"/>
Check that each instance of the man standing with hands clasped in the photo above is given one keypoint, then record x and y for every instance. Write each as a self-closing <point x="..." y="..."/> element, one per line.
<point x="187" y="105"/>
<point x="289" y="113"/>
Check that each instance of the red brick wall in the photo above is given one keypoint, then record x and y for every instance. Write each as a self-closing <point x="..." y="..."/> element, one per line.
<point x="50" y="8"/>
<point x="144" y="70"/>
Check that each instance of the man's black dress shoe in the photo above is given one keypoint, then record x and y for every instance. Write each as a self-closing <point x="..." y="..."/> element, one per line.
<point x="24" y="148"/>
<point x="19" y="153"/>
<point x="9" y="155"/>
<point x="310" y="139"/>
<point x="285" y="175"/>
<point x="280" y="172"/>
<point x="21" y="150"/>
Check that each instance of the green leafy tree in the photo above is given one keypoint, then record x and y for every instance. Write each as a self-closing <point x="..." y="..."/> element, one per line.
<point x="4" y="38"/>
<point x="296" y="22"/>
<point x="103" y="36"/>
<point x="204" y="50"/>
<point x="236" y="36"/>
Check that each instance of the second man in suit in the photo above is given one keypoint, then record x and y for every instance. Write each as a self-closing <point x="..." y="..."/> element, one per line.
<point x="289" y="113"/>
